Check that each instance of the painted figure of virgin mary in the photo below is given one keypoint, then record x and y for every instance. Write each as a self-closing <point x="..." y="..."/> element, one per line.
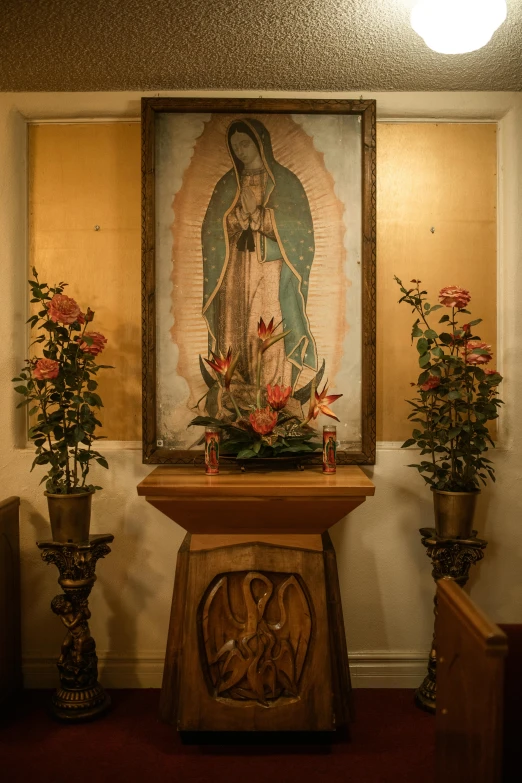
<point x="258" y="250"/>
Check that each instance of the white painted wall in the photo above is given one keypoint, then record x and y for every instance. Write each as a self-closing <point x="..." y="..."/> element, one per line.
<point x="385" y="575"/>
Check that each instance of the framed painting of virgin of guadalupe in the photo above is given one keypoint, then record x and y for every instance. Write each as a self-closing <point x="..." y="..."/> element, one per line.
<point x="258" y="274"/>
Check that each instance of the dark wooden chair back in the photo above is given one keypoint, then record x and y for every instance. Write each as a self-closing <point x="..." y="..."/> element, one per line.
<point x="10" y="647"/>
<point x="470" y="680"/>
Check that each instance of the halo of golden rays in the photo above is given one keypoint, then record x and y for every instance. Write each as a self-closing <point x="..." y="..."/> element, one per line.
<point x="293" y="148"/>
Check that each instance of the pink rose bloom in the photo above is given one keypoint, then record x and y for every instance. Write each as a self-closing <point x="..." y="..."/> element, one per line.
<point x="453" y="296"/>
<point x="97" y="346"/>
<point x="432" y="383"/>
<point x="64" y="310"/>
<point x="45" y="369"/>
<point x="477" y="358"/>
<point x="491" y="372"/>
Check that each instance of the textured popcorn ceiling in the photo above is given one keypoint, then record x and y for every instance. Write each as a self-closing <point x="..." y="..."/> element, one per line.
<point x="240" y="44"/>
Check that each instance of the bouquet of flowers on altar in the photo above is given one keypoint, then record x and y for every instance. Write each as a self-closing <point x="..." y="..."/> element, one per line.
<point x="457" y="394"/>
<point x="268" y="420"/>
<point x="61" y="388"/>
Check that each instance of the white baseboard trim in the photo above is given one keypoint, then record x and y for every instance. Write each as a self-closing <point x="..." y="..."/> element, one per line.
<point x="387" y="668"/>
<point x="369" y="669"/>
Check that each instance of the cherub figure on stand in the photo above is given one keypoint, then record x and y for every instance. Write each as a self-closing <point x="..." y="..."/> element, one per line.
<point x="78" y="661"/>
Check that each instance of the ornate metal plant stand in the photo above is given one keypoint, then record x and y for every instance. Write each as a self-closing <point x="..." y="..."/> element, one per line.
<point x="452" y="558"/>
<point x="80" y="695"/>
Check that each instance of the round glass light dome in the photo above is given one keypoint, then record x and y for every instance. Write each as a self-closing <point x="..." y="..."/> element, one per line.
<point x="457" y="26"/>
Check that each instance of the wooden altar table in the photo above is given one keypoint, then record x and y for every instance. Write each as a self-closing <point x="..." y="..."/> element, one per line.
<point x="256" y="639"/>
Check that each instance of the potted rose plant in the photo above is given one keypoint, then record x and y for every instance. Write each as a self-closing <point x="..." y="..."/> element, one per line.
<point x="60" y="388"/>
<point x="457" y="397"/>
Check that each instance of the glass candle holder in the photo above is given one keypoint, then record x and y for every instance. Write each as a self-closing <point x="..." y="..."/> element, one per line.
<point x="211" y="450"/>
<point x="329" y="448"/>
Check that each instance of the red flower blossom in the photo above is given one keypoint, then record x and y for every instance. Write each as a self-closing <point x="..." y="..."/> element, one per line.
<point x="477" y="358"/>
<point x="320" y="404"/>
<point x="266" y="334"/>
<point x="432" y="383"/>
<point x="278" y="396"/>
<point x="62" y="309"/>
<point x="263" y="420"/>
<point x="263" y="331"/>
<point x="453" y="296"/>
<point x="96" y="346"/>
<point x="45" y="369"/>
<point x="224" y="366"/>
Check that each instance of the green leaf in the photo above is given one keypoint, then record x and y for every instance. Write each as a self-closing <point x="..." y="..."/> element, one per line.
<point x="416" y="331"/>
<point x="431" y="334"/>
<point x="453" y="432"/>
<point x="21" y="389"/>
<point x="246" y="454"/>
<point x="425" y="359"/>
<point x="422" y="345"/>
<point x="303" y="395"/>
<point x="443" y="319"/>
<point x="102" y="461"/>
<point x="407" y="443"/>
<point x="207" y="377"/>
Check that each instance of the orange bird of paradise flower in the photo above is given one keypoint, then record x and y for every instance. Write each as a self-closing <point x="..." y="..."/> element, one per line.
<point x="224" y="366"/>
<point x="320" y="404"/>
<point x="265" y="332"/>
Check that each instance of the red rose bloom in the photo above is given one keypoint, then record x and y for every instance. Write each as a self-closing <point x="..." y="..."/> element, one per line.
<point x="477" y="358"/>
<point x="45" y="369"/>
<point x="97" y="345"/>
<point x="432" y="383"/>
<point x="64" y="310"/>
<point x="453" y="296"/>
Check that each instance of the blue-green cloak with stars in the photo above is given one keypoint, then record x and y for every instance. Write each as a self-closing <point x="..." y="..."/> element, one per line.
<point x="285" y="197"/>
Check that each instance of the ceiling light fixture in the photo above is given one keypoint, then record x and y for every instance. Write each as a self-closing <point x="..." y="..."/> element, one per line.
<point x="457" y="26"/>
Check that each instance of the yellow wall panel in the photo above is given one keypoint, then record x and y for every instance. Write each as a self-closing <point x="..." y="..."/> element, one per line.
<point x="81" y="176"/>
<point x="440" y="176"/>
<point x="429" y="175"/>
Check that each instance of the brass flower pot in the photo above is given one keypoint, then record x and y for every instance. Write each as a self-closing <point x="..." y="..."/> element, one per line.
<point x="70" y="517"/>
<point x="454" y="512"/>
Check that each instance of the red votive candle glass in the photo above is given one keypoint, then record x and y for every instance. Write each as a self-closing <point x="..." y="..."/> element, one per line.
<point x="329" y="448"/>
<point x="211" y="450"/>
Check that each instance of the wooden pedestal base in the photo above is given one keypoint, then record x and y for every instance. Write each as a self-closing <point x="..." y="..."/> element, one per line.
<point x="256" y="639"/>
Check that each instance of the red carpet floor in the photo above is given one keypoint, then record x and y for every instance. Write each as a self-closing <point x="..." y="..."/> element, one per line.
<point x="391" y="742"/>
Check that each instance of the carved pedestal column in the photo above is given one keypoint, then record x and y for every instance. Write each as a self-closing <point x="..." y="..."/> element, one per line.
<point x="80" y="695"/>
<point x="451" y="558"/>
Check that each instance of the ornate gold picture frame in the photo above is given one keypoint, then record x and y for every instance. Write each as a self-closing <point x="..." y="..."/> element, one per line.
<point x="307" y="258"/>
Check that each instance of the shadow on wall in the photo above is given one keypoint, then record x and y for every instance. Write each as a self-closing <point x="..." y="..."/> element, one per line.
<point x="39" y="586"/>
<point x="131" y="588"/>
<point x="383" y="567"/>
